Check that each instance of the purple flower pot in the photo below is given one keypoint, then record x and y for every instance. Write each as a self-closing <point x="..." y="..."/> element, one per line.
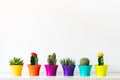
<point x="68" y="70"/>
<point x="51" y="70"/>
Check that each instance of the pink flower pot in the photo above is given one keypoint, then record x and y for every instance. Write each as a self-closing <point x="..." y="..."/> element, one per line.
<point x="51" y="70"/>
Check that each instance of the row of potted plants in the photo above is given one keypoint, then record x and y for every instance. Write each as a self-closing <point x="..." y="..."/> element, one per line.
<point x="68" y="65"/>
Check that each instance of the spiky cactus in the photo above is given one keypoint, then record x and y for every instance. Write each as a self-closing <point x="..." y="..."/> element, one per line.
<point x="52" y="59"/>
<point x="84" y="61"/>
<point x="34" y="59"/>
<point x="100" y="58"/>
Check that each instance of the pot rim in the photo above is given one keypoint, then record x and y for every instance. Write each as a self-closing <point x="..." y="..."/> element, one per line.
<point x="16" y="65"/>
<point x="85" y="65"/>
<point x="101" y="65"/>
<point x="33" y="65"/>
<point x="68" y="65"/>
<point x="50" y="65"/>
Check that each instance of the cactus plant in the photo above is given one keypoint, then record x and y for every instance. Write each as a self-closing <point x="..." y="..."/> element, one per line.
<point x="67" y="61"/>
<point x="34" y="67"/>
<point x="34" y="59"/>
<point x="16" y="61"/>
<point x="85" y="67"/>
<point x="84" y="61"/>
<point x="100" y="58"/>
<point x="101" y="68"/>
<point x="52" y="59"/>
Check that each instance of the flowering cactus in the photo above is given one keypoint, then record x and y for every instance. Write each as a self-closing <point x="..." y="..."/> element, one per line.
<point x="34" y="59"/>
<point x="100" y="58"/>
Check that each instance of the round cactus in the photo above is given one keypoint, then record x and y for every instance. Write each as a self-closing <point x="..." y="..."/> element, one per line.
<point x="84" y="61"/>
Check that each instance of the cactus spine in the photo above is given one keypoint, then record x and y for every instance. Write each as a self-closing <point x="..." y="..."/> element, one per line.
<point x="34" y="59"/>
<point x="52" y="59"/>
<point x="84" y="61"/>
<point x="100" y="58"/>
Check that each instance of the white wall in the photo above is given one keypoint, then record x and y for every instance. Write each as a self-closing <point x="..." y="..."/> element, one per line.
<point x="71" y="28"/>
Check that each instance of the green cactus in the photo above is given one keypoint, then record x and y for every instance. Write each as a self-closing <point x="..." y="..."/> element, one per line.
<point x="100" y="58"/>
<point x="100" y="61"/>
<point x="34" y="59"/>
<point x="84" y="61"/>
<point x="52" y="59"/>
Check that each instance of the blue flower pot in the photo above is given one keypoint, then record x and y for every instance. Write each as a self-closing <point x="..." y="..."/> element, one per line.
<point x="85" y="70"/>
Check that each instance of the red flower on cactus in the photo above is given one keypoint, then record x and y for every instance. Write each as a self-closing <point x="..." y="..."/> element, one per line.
<point x="33" y="54"/>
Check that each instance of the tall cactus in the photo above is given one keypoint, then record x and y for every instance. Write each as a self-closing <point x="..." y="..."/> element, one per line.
<point x="100" y="58"/>
<point x="34" y="59"/>
<point x="52" y="59"/>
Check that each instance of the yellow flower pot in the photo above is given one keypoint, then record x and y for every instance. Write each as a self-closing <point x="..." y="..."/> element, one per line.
<point x="16" y="70"/>
<point x="101" y="70"/>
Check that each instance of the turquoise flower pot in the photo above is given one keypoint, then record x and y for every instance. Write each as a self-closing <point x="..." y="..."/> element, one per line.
<point x="85" y="70"/>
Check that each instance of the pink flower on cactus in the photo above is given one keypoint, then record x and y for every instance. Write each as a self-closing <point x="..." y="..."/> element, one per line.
<point x="34" y="54"/>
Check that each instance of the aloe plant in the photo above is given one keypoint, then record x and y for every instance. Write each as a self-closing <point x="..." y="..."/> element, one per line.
<point x="16" y="61"/>
<point x="67" y="61"/>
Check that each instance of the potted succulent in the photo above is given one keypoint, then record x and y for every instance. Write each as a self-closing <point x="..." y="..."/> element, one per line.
<point x="16" y="66"/>
<point x="68" y="66"/>
<point x="85" y="67"/>
<point x="34" y="67"/>
<point x="101" y="68"/>
<point x="51" y="67"/>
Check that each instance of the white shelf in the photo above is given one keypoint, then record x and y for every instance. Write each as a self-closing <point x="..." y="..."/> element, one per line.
<point x="60" y="78"/>
<point x="111" y="76"/>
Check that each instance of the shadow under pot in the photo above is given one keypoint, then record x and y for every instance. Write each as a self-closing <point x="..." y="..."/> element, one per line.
<point x="51" y="70"/>
<point x="68" y="70"/>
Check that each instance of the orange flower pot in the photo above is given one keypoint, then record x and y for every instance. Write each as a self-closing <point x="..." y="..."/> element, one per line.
<point x="34" y="70"/>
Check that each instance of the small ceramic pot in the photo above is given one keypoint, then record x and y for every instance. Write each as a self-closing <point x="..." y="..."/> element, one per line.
<point x="101" y="70"/>
<point x="51" y="70"/>
<point x="34" y="70"/>
<point x="85" y="70"/>
<point x="68" y="70"/>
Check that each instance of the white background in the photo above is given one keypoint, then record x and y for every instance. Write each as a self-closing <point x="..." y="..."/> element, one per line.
<point x="70" y="28"/>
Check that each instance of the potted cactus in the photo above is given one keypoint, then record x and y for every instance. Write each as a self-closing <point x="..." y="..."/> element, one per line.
<point x="34" y="67"/>
<point x="51" y="67"/>
<point x="68" y="66"/>
<point x="16" y="66"/>
<point x="85" y="67"/>
<point x="101" y="68"/>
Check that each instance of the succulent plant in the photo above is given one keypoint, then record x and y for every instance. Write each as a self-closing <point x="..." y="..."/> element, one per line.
<point x="100" y="58"/>
<point x="16" y="61"/>
<point x="67" y="61"/>
<point x="34" y="59"/>
<point x="84" y="61"/>
<point x="52" y="59"/>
